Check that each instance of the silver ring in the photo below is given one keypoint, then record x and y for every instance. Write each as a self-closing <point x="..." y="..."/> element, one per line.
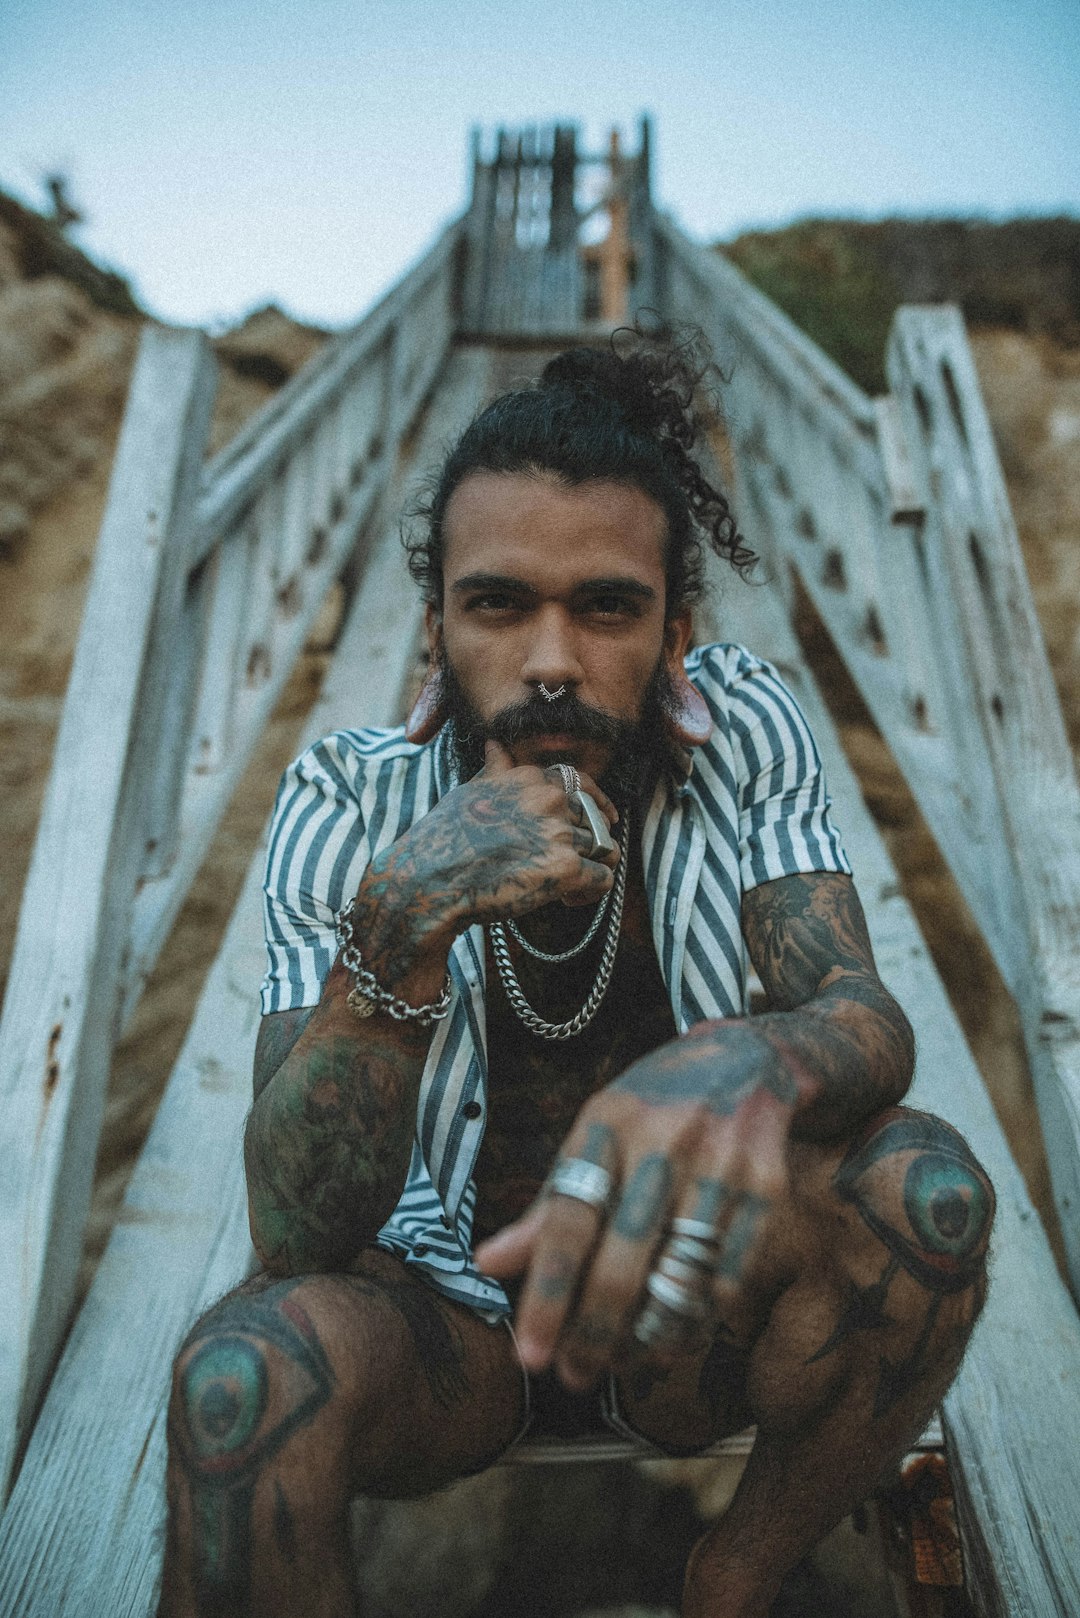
<point x="699" y="1228"/>
<point x="584" y="1181"/>
<point x="678" y="1300"/>
<point x="551" y="696"/>
<point x="693" y="1250"/>
<point x="685" y="1275"/>
<point x="571" y="780"/>
<point x="603" y="842"/>
<point x="657" y="1323"/>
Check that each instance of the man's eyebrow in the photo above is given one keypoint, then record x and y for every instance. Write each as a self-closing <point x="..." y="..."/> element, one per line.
<point x="489" y="581"/>
<point x="619" y="583"/>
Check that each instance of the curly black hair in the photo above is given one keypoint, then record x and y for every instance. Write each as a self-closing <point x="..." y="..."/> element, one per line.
<point x="625" y="414"/>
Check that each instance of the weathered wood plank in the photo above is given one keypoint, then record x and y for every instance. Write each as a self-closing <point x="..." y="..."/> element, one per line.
<point x="236" y="474"/>
<point x="82" y="1532"/>
<point x="1013" y="708"/>
<point x="816" y="486"/>
<point x="283" y="586"/>
<point x="1013" y="1413"/>
<point x="145" y="843"/>
<point x="59" y="1014"/>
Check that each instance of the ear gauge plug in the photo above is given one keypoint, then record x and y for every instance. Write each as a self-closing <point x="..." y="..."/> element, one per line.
<point x="690" y="720"/>
<point x="429" y="712"/>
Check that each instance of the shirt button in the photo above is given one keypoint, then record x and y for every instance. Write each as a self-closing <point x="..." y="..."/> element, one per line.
<point x="471" y="1109"/>
<point x="420" y="1249"/>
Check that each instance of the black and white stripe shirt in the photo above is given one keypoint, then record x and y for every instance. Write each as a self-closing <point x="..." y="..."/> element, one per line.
<point x="753" y="808"/>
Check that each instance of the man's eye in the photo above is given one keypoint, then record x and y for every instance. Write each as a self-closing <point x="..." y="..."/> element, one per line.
<point x="493" y="601"/>
<point x="612" y="606"/>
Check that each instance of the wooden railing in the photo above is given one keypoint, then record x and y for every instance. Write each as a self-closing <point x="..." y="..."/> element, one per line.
<point x="893" y="513"/>
<point x="205" y="585"/>
<point x="531" y="274"/>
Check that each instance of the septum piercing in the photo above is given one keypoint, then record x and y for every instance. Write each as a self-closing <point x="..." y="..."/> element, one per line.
<point x="551" y="696"/>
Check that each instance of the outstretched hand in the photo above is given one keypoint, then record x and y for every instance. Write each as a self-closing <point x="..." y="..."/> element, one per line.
<point x="696" y="1130"/>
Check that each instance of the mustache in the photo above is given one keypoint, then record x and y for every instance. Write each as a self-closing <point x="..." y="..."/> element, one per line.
<point x="534" y="716"/>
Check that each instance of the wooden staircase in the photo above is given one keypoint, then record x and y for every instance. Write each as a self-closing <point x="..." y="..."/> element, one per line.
<point x="207" y="578"/>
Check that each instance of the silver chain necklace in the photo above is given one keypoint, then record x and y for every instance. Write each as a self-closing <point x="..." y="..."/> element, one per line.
<point x="509" y="979"/>
<point x="566" y="954"/>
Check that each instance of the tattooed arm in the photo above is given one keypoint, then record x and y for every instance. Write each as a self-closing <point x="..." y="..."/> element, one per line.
<point x="837" y="1032"/>
<point x="328" y="1140"/>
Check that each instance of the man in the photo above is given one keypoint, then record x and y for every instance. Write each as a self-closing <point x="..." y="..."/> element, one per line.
<point x="506" y="1003"/>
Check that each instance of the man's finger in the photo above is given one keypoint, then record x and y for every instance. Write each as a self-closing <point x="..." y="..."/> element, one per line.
<point x="559" y="1259"/>
<point x="754" y="1195"/>
<point x="507" y="1253"/>
<point x="609" y="1295"/>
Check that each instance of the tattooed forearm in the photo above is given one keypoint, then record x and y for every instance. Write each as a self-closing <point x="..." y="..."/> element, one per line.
<point x="835" y="1024"/>
<point x="277" y="1035"/>
<point x="328" y="1141"/>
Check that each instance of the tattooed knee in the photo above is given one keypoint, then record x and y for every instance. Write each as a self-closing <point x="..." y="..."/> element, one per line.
<point x="252" y="1373"/>
<point x="222" y="1391"/>
<point x="920" y="1189"/>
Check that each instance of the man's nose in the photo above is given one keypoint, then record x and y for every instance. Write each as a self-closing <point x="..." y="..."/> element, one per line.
<point x="551" y="656"/>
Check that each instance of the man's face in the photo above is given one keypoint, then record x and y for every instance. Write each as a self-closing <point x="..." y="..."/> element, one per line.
<point x="563" y="586"/>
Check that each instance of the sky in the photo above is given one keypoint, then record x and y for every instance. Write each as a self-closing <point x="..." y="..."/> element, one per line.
<point x="229" y="153"/>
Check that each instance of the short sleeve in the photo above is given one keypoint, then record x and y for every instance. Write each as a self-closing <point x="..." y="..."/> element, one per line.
<point x="785" y="823"/>
<point x="316" y="840"/>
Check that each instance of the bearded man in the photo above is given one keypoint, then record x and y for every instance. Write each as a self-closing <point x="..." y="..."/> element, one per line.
<point x="506" y="1069"/>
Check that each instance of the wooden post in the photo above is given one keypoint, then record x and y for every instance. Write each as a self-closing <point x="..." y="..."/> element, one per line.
<point x="615" y="249"/>
<point x="56" y="1036"/>
<point x="1012" y="700"/>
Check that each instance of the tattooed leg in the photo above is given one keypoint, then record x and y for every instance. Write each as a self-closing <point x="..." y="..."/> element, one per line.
<point x="291" y="1397"/>
<point x="891" y="1243"/>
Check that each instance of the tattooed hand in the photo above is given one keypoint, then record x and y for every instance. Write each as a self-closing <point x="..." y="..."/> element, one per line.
<point x="700" y="1129"/>
<point x="697" y="1129"/>
<point x="507" y="842"/>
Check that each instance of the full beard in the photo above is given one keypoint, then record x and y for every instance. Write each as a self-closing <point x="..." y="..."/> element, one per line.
<point x="640" y="749"/>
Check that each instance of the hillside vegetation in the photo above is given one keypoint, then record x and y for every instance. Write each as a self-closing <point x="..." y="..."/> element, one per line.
<point x="842" y="279"/>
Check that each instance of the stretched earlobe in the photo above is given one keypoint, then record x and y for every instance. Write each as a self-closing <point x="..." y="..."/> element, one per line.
<point x="429" y="711"/>
<point x="689" y="717"/>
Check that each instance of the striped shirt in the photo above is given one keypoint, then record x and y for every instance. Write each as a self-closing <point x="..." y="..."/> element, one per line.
<point x="754" y="807"/>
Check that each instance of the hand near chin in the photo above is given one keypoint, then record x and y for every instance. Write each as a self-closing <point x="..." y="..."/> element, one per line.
<point x="503" y="844"/>
<point x="693" y="1137"/>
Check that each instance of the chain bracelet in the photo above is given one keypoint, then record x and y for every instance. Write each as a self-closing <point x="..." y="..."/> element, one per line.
<point x="368" y="996"/>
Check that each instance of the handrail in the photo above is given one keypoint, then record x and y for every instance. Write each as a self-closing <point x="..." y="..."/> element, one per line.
<point x="203" y="591"/>
<point x="237" y="471"/>
<point x="894" y="515"/>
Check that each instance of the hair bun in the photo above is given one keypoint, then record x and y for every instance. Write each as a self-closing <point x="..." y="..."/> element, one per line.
<point x="628" y="381"/>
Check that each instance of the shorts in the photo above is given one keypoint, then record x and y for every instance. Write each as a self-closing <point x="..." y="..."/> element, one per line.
<point x="551" y="1410"/>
